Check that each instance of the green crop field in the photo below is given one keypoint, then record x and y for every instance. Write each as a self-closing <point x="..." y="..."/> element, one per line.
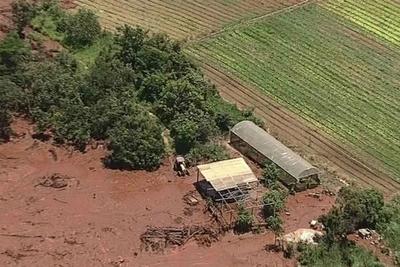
<point x="381" y="18"/>
<point x="336" y="65"/>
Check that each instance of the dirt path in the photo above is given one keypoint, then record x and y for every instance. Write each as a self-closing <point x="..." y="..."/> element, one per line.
<point x="294" y="130"/>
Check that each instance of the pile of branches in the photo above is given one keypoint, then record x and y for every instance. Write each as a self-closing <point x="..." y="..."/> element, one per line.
<point x="55" y="180"/>
<point x="156" y="239"/>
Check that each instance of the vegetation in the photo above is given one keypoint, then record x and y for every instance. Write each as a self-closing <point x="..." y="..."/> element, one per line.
<point x="325" y="68"/>
<point x="23" y="11"/>
<point x="270" y="175"/>
<point x="244" y="221"/>
<point x="337" y="255"/>
<point x="81" y="29"/>
<point x="355" y="208"/>
<point x="377" y="17"/>
<point x="180" y="20"/>
<point x="389" y="226"/>
<point x="139" y="85"/>
<point x="274" y="202"/>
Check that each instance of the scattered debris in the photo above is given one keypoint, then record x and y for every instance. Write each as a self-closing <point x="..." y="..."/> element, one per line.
<point x="314" y="195"/>
<point x="314" y="224"/>
<point x="156" y="239"/>
<point x="190" y="199"/>
<point x="55" y="180"/>
<point x="53" y="154"/>
<point x="328" y="192"/>
<point x="305" y="236"/>
<point x="364" y="233"/>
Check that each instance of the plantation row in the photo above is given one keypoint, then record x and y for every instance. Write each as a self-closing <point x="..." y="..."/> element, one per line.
<point x="180" y="19"/>
<point x="381" y="18"/>
<point x="305" y="59"/>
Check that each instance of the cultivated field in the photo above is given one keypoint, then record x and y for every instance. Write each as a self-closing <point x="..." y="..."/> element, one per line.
<point x="381" y="18"/>
<point x="183" y="18"/>
<point x="324" y="68"/>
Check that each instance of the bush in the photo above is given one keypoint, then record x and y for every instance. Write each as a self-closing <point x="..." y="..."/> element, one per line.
<point x="82" y="29"/>
<point x="22" y="11"/>
<point x="207" y="153"/>
<point x="244" y="221"/>
<point x="274" y="201"/>
<point x="270" y="175"/>
<point x="136" y="142"/>
<point x="338" y="255"/>
<point x="361" y="207"/>
<point x="13" y="51"/>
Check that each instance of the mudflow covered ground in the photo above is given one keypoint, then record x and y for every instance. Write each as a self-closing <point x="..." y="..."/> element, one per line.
<point x="60" y="207"/>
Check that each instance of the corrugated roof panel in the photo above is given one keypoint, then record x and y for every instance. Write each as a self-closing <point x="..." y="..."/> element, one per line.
<point x="274" y="150"/>
<point x="227" y="173"/>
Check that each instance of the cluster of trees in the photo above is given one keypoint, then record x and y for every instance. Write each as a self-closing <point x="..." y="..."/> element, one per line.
<point x="355" y="208"/>
<point x="139" y="86"/>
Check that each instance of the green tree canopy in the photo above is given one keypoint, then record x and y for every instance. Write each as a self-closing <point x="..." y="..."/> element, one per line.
<point x="136" y="141"/>
<point x="82" y="29"/>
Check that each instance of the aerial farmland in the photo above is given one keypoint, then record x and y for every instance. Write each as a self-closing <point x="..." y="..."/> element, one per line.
<point x="200" y="133"/>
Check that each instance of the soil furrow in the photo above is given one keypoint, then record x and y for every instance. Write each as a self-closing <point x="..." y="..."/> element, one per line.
<point x="284" y="123"/>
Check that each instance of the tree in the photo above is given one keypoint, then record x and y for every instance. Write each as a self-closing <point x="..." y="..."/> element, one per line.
<point x="179" y="97"/>
<point x="361" y="207"/>
<point x="23" y="12"/>
<point x="244" y="221"/>
<point x="82" y="29"/>
<point x="136" y="141"/>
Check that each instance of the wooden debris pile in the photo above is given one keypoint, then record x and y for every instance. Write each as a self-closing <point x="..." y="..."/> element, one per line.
<point x="57" y="181"/>
<point x="158" y="238"/>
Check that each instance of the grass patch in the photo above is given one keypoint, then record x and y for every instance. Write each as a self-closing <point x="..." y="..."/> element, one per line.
<point x="86" y="56"/>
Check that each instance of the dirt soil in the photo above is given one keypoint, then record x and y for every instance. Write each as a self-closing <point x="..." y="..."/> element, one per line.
<point x="63" y="208"/>
<point x="5" y="17"/>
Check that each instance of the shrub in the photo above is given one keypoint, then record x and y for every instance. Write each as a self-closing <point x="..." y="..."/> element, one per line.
<point x="22" y="11"/>
<point x="82" y="29"/>
<point x="274" y="201"/>
<point x="244" y="221"/>
<point x="270" y="175"/>
<point x="207" y="152"/>
<point x="338" y="255"/>
<point x="12" y="52"/>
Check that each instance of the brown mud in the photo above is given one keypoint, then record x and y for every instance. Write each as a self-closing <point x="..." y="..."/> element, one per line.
<point x="63" y="208"/>
<point x="5" y="17"/>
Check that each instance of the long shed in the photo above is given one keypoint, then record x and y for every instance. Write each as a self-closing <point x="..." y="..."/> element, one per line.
<point x="255" y="143"/>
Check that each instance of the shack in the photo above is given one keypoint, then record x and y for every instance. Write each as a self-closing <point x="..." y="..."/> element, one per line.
<point x="255" y="143"/>
<point x="227" y="180"/>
